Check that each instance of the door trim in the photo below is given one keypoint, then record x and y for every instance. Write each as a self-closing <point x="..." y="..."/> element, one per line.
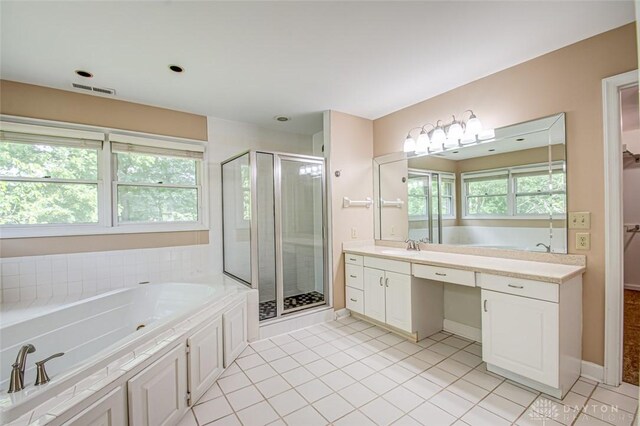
<point x="614" y="250"/>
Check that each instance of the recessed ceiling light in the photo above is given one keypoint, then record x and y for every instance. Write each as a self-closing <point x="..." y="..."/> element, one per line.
<point x="83" y="73"/>
<point x="176" y="68"/>
<point x="281" y="118"/>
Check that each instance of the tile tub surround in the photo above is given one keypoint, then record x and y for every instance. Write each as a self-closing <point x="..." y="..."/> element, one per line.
<point x="526" y="269"/>
<point x="349" y="372"/>
<point x="24" y="279"/>
<point x="124" y="358"/>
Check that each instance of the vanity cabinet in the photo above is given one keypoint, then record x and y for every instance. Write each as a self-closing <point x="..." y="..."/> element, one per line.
<point x="387" y="297"/>
<point x="205" y="358"/>
<point x="158" y="394"/>
<point x="110" y="410"/>
<point x="234" y="323"/>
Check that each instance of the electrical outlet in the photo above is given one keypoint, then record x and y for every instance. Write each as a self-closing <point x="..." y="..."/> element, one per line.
<point x="580" y="220"/>
<point x="354" y="233"/>
<point x="583" y="241"/>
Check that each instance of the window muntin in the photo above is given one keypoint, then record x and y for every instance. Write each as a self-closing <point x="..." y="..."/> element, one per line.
<point x="156" y="186"/>
<point x="518" y="192"/>
<point x="48" y="180"/>
<point x="417" y="192"/>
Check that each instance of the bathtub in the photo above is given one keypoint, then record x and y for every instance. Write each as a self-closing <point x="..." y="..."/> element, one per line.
<point x="95" y="331"/>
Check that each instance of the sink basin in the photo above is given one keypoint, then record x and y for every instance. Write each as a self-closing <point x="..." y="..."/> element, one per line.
<point x="400" y="252"/>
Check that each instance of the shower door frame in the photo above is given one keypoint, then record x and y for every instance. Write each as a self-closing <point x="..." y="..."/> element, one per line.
<point x="253" y="227"/>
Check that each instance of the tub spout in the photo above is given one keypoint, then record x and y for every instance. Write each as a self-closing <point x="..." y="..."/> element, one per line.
<point x="16" y="382"/>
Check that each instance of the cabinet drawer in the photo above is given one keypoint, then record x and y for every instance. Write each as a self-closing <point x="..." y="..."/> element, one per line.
<point x="354" y="276"/>
<point x="448" y="275"/>
<point x="518" y="286"/>
<point x="353" y="259"/>
<point x="355" y="300"/>
<point x="388" y="265"/>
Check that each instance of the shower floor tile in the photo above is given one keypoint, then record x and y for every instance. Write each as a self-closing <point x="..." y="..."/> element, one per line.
<point x="268" y="308"/>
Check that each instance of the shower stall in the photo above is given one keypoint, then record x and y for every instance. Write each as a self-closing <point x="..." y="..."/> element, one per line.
<point x="274" y="213"/>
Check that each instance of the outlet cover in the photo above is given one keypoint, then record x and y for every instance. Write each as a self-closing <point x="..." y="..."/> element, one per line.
<point x="579" y="220"/>
<point x="583" y="241"/>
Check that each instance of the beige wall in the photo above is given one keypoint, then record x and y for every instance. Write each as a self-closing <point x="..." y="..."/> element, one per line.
<point x="567" y="80"/>
<point x="351" y="152"/>
<point x="26" y="100"/>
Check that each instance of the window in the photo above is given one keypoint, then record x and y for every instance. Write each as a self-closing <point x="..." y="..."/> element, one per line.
<point x="154" y="185"/>
<point x="417" y="191"/>
<point x="245" y="178"/>
<point x="48" y="180"/>
<point x="54" y="183"/>
<point x="447" y="197"/>
<point x="518" y="192"/>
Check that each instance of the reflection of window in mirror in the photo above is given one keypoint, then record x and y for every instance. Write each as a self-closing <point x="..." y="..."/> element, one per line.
<point x="418" y="195"/>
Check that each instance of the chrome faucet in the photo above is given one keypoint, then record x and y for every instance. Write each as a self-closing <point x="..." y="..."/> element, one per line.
<point x="412" y="245"/>
<point x="16" y="382"/>
<point x="41" y="374"/>
<point x="547" y="247"/>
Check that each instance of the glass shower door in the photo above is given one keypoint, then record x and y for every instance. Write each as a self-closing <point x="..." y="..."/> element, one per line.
<point x="301" y="233"/>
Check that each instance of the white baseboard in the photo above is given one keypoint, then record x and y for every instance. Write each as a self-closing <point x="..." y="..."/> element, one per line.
<point x="295" y="322"/>
<point x="629" y="286"/>
<point x="466" y="331"/>
<point x="592" y="371"/>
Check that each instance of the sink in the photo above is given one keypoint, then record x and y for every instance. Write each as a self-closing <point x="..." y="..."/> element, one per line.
<point x="400" y="252"/>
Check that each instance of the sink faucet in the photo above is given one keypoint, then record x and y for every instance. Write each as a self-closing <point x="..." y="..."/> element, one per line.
<point x="16" y="382"/>
<point x="412" y="245"/>
<point x="547" y="247"/>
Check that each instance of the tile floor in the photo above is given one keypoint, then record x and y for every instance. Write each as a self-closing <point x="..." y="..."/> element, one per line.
<point x="351" y="373"/>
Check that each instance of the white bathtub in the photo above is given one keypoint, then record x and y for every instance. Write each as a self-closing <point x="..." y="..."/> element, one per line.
<point x="94" y="331"/>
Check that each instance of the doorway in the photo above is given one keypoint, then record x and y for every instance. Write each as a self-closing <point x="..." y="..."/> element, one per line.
<point x="622" y="223"/>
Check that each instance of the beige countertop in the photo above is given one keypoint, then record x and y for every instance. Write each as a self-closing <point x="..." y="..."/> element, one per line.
<point x="526" y="269"/>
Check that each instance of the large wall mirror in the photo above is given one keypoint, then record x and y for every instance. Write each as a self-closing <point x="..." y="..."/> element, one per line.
<point x="508" y="192"/>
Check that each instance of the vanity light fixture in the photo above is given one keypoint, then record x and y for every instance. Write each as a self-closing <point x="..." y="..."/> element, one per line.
<point x="443" y="137"/>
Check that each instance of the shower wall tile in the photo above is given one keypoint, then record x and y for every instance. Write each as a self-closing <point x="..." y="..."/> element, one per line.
<point x="44" y="277"/>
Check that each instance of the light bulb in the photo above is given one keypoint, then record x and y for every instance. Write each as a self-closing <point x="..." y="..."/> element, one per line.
<point x="487" y="134"/>
<point x="455" y="131"/>
<point x="422" y="145"/>
<point x="409" y="144"/>
<point x="474" y="126"/>
<point x="438" y="136"/>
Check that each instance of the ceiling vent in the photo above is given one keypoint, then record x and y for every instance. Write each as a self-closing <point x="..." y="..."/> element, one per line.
<point x="102" y="90"/>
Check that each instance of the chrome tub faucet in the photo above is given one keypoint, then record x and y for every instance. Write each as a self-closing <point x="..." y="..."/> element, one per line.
<point x="546" y="247"/>
<point x="16" y="382"/>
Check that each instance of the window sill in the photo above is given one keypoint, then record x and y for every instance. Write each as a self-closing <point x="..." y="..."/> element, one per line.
<point x="79" y="230"/>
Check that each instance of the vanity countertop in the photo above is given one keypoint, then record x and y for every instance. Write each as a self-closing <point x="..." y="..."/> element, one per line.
<point x="525" y="269"/>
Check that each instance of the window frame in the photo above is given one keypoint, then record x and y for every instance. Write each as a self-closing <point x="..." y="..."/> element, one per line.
<point x="512" y="173"/>
<point x="107" y="201"/>
<point x="443" y="175"/>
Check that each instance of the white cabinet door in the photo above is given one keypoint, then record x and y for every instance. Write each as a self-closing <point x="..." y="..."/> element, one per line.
<point x="234" y="323"/>
<point x="374" y="304"/>
<point x="398" y="300"/>
<point x="521" y="335"/>
<point x="111" y="410"/>
<point x="158" y="394"/>
<point x="205" y="358"/>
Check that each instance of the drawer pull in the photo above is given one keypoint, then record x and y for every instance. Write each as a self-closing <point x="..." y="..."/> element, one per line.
<point x="515" y="286"/>
<point x="380" y="281"/>
<point x="386" y="282"/>
<point x="353" y="300"/>
<point x="353" y="276"/>
<point x="353" y="259"/>
<point x="485" y="305"/>
<point x="440" y="274"/>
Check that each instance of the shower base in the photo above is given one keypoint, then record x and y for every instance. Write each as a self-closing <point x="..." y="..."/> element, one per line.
<point x="268" y="308"/>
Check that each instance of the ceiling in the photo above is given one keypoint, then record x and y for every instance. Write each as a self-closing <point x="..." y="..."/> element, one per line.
<point x="251" y="61"/>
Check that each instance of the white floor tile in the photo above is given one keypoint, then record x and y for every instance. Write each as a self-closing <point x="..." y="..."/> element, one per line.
<point x="625" y="388"/>
<point x="355" y="418"/>
<point x="314" y="390"/>
<point x="357" y="394"/>
<point x="293" y="347"/>
<point x="250" y="361"/>
<point x="408" y="347"/>
<point x="232" y="383"/>
<point x="403" y="398"/>
<point x="230" y="420"/>
<point x="298" y="376"/>
<point x="260" y="373"/>
<point x="468" y="391"/>
<point x="337" y="380"/>
<point x="285" y="364"/>
<point x="375" y="332"/>
<point x="430" y="415"/>
<point x="615" y="399"/>
<point x="415" y="365"/>
<point x="257" y="415"/>
<point x="475" y="349"/>
<point x="262" y="345"/>
<point x="454" y="367"/>
<point x="378" y="383"/>
<point x="422" y="387"/>
<point x="287" y="402"/>
<point x="305" y="357"/>
<point x="478" y="416"/>
<point x="451" y="403"/>
<point x="306" y="416"/>
<point x="607" y="413"/>
<point x="340" y="359"/>
<point x="467" y="358"/>
<point x="429" y="356"/>
<point x="213" y="392"/>
<point x="320" y="367"/>
<point x="439" y="336"/>
<point x="390" y="339"/>
<point x="397" y="373"/>
<point x="244" y="397"/>
<point x="515" y="393"/>
<point x="358" y="370"/>
<point x="272" y="386"/>
<point x="333" y="407"/>
<point x="283" y="339"/>
<point x="377" y="362"/>
<point x="325" y="350"/>
<point x="212" y="410"/>
<point x="407" y="421"/>
<point x="393" y="354"/>
<point x="439" y="376"/>
<point x="189" y="419"/>
<point x="502" y="407"/>
<point x="456" y="342"/>
<point x="382" y="412"/>
<point x="483" y="380"/>
<point x="583" y="388"/>
<point x="272" y="354"/>
<point x="443" y="349"/>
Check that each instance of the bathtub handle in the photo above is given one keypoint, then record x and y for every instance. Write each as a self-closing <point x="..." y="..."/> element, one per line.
<point x="41" y="374"/>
